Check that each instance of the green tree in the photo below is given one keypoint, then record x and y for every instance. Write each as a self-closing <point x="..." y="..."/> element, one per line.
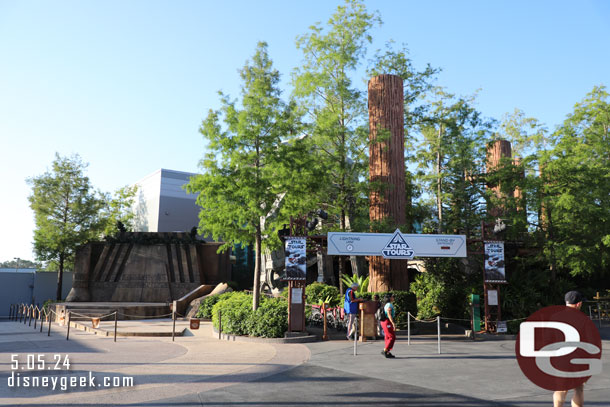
<point x="450" y="156"/>
<point x="518" y="176"/>
<point x="66" y="212"/>
<point x="18" y="263"/>
<point x="251" y="170"/>
<point x="330" y="92"/>
<point x="575" y="190"/>
<point x="118" y="208"/>
<point x="335" y="107"/>
<point x="336" y="110"/>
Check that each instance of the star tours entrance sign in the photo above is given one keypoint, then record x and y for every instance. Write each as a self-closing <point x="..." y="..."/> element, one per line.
<point x="397" y="248"/>
<point x="396" y="245"/>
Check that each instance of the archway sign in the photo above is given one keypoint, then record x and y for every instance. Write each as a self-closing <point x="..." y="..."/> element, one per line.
<point x="396" y="245"/>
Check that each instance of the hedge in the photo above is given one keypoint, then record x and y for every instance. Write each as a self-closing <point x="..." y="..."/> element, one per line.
<point x="205" y="307"/>
<point x="317" y="292"/>
<point x="270" y="320"/>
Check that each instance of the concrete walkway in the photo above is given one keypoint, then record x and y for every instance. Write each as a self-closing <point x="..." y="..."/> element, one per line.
<point x="160" y="368"/>
<point x="200" y="370"/>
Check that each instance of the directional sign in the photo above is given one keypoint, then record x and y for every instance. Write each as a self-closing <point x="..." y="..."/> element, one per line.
<point x="396" y="245"/>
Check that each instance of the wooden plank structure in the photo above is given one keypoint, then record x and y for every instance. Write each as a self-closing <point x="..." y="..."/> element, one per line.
<point x="387" y="175"/>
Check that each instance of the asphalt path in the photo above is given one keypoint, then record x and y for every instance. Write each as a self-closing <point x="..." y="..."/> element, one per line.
<point x="200" y="370"/>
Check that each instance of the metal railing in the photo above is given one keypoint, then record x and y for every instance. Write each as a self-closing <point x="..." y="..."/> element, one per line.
<point x="23" y="313"/>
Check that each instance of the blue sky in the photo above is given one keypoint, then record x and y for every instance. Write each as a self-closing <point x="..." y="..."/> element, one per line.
<point x="125" y="84"/>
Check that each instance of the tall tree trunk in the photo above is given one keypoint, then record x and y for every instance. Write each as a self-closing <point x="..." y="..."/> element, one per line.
<point x="387" y="174"/>
<point x="60" y="277"/>
<point x="551" y="238"/>
<point x="257" y="268"/>
<point x="439" y="181"/>
<point x="341" y="263"/>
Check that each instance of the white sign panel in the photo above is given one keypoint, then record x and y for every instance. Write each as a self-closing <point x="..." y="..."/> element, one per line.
<point x="297" y="295"/>
<point x="396" y="245"/>
<point x="492" y="297"/>
<point x="502" y="327"/>
<point x="296" y="258"/>
<point x="494" y="262"/>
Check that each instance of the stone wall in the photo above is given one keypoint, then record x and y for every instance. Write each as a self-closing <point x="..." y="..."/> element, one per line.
<point x="136" y="271"/>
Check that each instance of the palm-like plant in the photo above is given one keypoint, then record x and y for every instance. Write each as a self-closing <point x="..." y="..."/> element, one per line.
<point x="363" y="282"/>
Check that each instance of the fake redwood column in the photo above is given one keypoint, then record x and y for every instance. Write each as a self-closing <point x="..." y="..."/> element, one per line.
<point x="496" y="151"/>
<point x="387" y="175"/>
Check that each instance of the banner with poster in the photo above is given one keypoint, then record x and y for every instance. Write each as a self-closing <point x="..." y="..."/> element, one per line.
<point x="494" y="262"/>
<point x="296" y="258"/>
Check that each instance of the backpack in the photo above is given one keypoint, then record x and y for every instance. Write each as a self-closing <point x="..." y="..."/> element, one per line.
<point x="381" y="315"/>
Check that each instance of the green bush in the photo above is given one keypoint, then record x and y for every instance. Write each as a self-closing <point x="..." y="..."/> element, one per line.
<point x="363" y="283"/>
<point x="404" y="302"/>
<point x="47" y="303"/>
<point x="444" y="289"/>
<point x="317" y="292"/>
<point x="235" y="311"/>
<point x="270" y="320"/>
<point x="205" y="308"/>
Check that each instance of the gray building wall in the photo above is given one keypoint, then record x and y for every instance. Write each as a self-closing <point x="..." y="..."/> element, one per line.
<point x="30" y="288"/>
<point x="162" y="205"/>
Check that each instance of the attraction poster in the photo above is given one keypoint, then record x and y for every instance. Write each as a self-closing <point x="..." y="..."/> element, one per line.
<point x="296" y="258"/>
<point x="494" y="262"/>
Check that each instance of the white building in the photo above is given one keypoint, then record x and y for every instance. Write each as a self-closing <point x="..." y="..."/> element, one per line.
<point x="162" y="205"/>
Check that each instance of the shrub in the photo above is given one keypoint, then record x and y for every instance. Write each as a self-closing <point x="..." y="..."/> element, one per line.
<point x="444" y="288"/>
<point x="235" y="310"/>
<point x="363" y="283"/>
<point x="270" y="320"/>
<point x="205" y="308"/>
<point x="404" y="302"/>
<point x="47" y="303"/>
<point x="317" y="292"/>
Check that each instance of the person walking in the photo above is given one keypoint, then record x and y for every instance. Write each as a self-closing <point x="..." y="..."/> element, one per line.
<point x="388" y="325"/>
<point x="350" y="305"/>
<point x="573" y="299"/>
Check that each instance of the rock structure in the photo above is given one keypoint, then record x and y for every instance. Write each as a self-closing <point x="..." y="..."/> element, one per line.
<point x="146" y="267"/>
<point x="387" y="175"/>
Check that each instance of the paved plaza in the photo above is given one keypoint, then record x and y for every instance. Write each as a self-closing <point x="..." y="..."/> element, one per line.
<point x="199" y="370"/>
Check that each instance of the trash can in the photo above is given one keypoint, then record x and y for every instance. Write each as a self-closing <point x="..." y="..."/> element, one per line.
<point x="368" y="326"/>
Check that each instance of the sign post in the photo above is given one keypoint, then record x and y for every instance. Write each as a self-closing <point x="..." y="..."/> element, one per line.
<point x="494" y="274"/>
<point x="296" y="274"/>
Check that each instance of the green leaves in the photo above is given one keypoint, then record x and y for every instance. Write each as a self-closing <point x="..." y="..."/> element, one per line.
<point x="363" y="282"/>
<point x="257" y="172"/>
<point x="576" y="189"/>
<point x="66" y="212"/>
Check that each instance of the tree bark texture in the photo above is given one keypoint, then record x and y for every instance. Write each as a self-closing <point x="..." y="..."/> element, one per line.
<point x="495" y="152"/>
<point x="257" y="269"/>
<point x="387" y="174"/>
<point x="60" y="278"/>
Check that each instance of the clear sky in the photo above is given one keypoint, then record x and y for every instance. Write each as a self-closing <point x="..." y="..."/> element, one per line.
<point x="125" y="84"/>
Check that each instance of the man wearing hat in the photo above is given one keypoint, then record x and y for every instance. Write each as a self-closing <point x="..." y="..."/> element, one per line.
<point x="573" y="299"/>
<point x="350" y="305"/>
